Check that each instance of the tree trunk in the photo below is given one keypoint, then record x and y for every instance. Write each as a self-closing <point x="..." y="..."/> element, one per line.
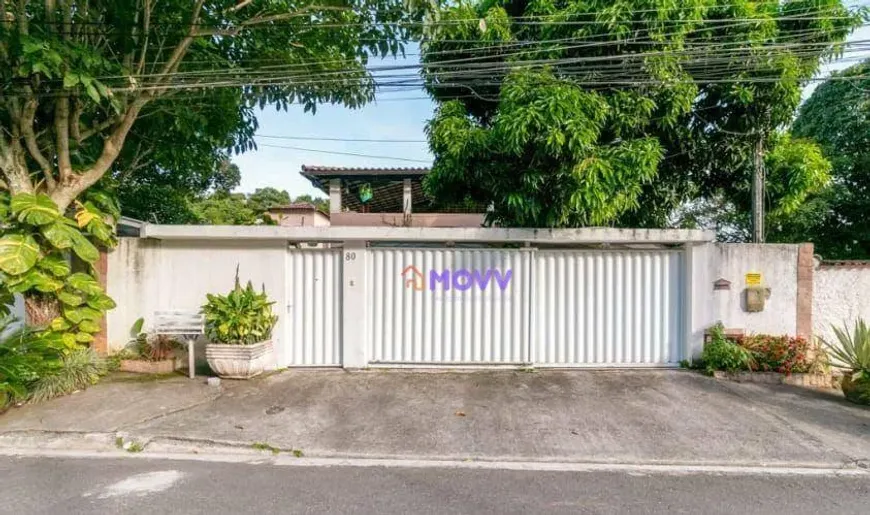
<point x="40" y="309"/>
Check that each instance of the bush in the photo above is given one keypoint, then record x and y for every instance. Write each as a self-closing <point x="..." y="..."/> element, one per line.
<point x="722" y="354"/>
<point x="37" y="365"/>
<point x="783" y="354"/>
<point x="851" y="352"/>
<point x="148" y="347"/>
<point x="26" y="355"/>
<point x="242" y="317"/>
<point x="78" y="370"/>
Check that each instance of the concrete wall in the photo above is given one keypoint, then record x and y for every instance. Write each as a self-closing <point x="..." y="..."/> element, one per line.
<point x="300" y="218"/>
<point x="148" y="275"/>
<point x="778" y="267"/>
<point x="416" y="219"/>
<point x="152" y="275"/>
<point x="841" y="294"/>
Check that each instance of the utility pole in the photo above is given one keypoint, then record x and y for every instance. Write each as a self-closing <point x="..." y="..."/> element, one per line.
<point x="758" y="191"/>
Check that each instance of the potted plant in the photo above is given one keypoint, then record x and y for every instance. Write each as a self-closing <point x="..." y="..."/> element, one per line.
<point x="149" y="354"/>
<point x="238" y="327"/>
<point x="852" y="353"/>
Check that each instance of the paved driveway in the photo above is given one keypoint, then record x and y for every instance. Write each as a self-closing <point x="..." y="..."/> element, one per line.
<point x="606" y="416"/>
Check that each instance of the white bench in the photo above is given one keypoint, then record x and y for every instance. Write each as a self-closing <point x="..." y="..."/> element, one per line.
<point x="185" y="324"/>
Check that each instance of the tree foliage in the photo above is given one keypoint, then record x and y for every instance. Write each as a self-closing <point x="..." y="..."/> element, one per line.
<point x="37" y="246"/>
<point x="77" y="76"/>
<point x="594" y="112"/>
<point x="837" y="117"/>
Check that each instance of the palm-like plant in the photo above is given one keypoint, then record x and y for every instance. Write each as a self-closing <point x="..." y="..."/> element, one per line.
<point x="852" y="353"/>
<point x="852" y="350"/>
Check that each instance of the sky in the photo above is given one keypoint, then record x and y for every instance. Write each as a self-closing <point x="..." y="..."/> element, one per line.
<point x="393" y="115"/>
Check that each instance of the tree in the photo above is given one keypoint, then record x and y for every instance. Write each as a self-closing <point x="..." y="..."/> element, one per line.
<point x="580" y="112"/>
<point x="264" y="198"/>
<point x="322" y="204"/>
<point x="76" y="76"/>
<point x="225" y="209"/>
<point x="837" y="117"/>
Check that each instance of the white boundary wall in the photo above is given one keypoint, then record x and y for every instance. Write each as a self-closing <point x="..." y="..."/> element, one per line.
<point x="173" y="267"/>
<point x="841" y="295"/>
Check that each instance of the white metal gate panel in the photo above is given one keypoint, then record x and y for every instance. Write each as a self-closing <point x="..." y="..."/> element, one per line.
<point x="608" y="308"/>
<point x="313" y="321"/>
<point x="449" y="306"/>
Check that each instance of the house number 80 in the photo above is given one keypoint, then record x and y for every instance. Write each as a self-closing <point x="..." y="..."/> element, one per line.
<point x="350" y="256"/>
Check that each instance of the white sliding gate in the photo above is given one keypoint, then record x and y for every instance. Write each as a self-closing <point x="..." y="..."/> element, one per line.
<point x="608" y="307"/>
<point x="449" y="306"/>
<point x="313" y="320"/>
<point x="548" y="308"/>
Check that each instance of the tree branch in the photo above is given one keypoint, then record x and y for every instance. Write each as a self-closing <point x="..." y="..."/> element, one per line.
<point x="74" y="128"/>
<point x="146" y="29"/>
<point x="257" y="20"/>
<point x="61" y="129"/>
<point x="76" y="184"/>
<point x="28" y="117"/>
<point x="239" y="6"/>
<point x="181" y="49"/>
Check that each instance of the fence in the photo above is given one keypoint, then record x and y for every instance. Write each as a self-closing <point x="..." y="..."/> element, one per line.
<point x="427" y="296"/>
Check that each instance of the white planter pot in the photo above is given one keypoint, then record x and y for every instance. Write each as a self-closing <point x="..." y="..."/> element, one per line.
<point x="238" y="361"/>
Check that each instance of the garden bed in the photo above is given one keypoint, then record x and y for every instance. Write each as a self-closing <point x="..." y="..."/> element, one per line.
<point x="802" y="380"/>
<point x="141" y="366"/>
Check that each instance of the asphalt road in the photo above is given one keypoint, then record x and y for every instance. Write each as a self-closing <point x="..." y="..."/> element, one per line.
<point x="84" y="485"/>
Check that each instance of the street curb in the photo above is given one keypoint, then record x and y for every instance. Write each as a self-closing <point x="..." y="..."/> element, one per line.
<point x="121" y="445"/>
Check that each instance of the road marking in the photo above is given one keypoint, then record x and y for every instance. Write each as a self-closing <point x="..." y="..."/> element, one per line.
<point x="140" y="484"/>
<point x="529" y="466"/>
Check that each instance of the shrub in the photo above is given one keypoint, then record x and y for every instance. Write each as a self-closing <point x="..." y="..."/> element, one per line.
<point x="722" y="354"/>
<point x="852" y="349"/>
<point x="37" y="365"/>
<point x="78" y="369"/>
<point x="851" y="352"/>
<point x="26" y="355"/>
<point x="783" y="354"/>
<point x="242" y="317"/>
<point x="148" y="347"/>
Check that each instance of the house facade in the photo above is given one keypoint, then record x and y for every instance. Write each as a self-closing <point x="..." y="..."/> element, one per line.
<point x="390" y="197"/>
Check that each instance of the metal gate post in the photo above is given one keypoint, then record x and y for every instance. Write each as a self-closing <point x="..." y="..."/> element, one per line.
<point x="355" y="306"/>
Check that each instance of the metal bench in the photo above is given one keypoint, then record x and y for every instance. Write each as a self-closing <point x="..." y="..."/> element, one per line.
<point x="186" y="324"/>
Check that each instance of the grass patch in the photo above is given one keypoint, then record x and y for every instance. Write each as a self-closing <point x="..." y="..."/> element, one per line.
<point x="129" y="445"/>
<point x="263" y="446"/>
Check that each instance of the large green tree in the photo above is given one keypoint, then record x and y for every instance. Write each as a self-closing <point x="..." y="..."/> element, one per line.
<point x="595" y="112"/>
<point x="837" y="219"/>
<point x="76" y="76"/>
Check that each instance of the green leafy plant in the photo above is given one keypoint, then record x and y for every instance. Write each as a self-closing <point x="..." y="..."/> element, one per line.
<point x="26" y="356"/>
<point x="851" y="351"/>
<point x="242" y="317"/>
<point x="37" y="248"/>
<point x="149" y="347"/>
<point x="784" y="354"/>
<point x="78" y="369"/>
<point x="722" y="354"/>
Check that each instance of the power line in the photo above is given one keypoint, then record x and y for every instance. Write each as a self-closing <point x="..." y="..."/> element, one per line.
<point x="354" y="154"/>
<point x="360" y="140"/>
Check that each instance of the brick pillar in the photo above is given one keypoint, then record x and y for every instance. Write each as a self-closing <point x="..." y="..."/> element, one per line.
<point x="804" y="306"/>
<point x="101" y="343"/>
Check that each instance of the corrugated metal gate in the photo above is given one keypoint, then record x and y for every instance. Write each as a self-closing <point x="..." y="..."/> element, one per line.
<point x="607" y="307"/>
<point x="557" y="308"/>
<point x="313" y="321"/>
<point x="448" y="306"/>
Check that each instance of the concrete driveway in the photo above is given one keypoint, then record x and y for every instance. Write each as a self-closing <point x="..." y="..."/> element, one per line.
<point x="591" y="416"/>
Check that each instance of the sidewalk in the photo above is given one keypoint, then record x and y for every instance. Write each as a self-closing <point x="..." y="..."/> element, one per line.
<point x="674" y="417"/>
